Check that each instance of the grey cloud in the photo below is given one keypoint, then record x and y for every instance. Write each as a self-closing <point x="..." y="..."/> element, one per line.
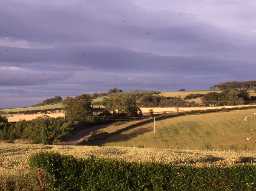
<point x="15" y="76"/>
<point x="68" y="47"/>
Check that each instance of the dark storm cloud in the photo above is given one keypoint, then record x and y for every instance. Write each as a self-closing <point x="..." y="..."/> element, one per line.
<point x="61" y="47"/>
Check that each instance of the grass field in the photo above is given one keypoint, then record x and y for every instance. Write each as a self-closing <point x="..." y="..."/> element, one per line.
<point x="234" y="130"/>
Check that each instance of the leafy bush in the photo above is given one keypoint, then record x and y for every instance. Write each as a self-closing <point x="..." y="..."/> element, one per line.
<point x="76" y="109"/>
<point x="4" y="128"/>
<point x="41" y="130"/>
<point x="68" y="173"/>
<point x="122" y="104"/>
<point x="161" y="101"/>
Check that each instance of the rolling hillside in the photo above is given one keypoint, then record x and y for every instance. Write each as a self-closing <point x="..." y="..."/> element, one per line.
<point x="234" y="130"/>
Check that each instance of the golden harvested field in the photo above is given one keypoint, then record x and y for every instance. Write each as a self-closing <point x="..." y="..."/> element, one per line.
<point x="14" y="157"/>
<point x="234" y="130"/>
<point x="183" y="94"/>
<point x="29" y="117"/>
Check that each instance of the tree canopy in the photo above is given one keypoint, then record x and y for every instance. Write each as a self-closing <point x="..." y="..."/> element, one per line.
<point x="122" y="104"/>
<point x="78" y="108"/>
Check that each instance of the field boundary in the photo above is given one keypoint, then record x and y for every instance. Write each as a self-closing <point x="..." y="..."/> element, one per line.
<point x="147" y="111"/>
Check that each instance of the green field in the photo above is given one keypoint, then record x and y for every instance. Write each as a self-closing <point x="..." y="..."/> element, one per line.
<point x="234" y="130"/>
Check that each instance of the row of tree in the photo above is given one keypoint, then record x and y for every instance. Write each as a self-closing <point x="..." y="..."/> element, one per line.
<point x="245" y="85"/>
<point x="81" y="108"/>
<point x="161" y="101"/>
<point x="227" y="97"/>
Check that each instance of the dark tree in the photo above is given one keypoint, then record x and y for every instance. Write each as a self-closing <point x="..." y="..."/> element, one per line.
<point x="227" y="97"/>
<point x="245" y="85"/>
<point x="78" y="108"/>
<point x="122" y="104"/>
<point x="53" y="100"/>
<point x="4" y="128"/>
<point x="115" y="90"/>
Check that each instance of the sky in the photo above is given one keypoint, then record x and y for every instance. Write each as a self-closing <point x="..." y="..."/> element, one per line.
<point x="69" y="47"/>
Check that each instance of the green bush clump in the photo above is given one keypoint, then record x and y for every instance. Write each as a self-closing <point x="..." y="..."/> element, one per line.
<point x="41" y="130"/>
<point x="68" y="173"/>
<point x="161" y="101"/>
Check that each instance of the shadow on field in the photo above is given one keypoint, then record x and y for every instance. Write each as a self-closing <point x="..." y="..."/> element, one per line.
<point x="104" y="137"/>
<point x="209" y="159"/>
<point x="110" y="137"/>
<point x="93" y="136"/>
<point x="246" y="160"/>
<point x="81" y="133"/>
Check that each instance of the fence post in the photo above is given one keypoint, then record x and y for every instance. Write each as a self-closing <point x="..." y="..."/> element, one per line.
<point x="154" y="125"/>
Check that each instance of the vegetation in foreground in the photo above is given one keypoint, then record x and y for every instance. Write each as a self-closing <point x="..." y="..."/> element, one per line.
<point x="15" y="170"/>
<point x="69" y="173"/>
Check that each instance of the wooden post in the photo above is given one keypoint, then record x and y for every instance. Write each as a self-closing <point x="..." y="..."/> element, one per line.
<point x="154" y="125"/>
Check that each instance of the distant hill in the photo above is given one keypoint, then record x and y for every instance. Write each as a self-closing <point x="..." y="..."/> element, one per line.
<point x="50" y="101"/>
<point x="235" y="85"/>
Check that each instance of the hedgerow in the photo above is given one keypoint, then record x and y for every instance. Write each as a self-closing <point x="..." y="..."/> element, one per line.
<point x="41" y="130"/>
<point x="68" y="173"/>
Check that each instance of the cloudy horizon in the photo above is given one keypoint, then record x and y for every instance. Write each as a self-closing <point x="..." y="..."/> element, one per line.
<point x="59" y="47"/>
